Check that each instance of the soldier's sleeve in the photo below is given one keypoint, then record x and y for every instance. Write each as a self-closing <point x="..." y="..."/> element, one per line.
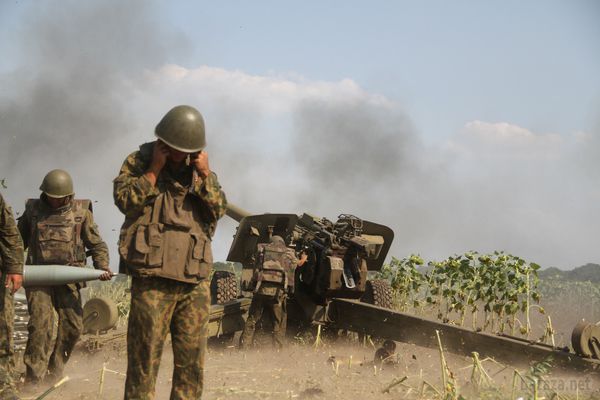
<point x="293" y="259"/>
<point x="92" y="241"/>
<point x="24" y="225"/>
<point x="11" y="244"/>
<point x="131" y="189"/>
<point x="209" y="190"/>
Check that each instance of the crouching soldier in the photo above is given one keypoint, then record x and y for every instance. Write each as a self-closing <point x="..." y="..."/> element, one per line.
<point x="273" y="277"/>
<point x="57" y="229"/>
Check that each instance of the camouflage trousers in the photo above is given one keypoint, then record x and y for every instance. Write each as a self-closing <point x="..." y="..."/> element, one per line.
<point x="272" y="308"/>
<point x="42" y="355"/>
<point x="7" y="315"/>
<point x="160" y="306"/>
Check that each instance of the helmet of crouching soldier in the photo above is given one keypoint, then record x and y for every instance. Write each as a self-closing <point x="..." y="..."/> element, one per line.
<point x="182" y="128"/>
<point x="57" y="183"/>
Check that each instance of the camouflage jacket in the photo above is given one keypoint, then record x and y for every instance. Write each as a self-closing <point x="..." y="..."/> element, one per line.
<point x="69" y="230"/>
<point x="132" y="190"/>
<point x="11" y="245"/>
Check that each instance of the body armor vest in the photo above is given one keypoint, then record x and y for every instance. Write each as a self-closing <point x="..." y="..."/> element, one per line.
<point x="275" y="268"/>
<point x="167" y="240"/>
<point x="55" y="236"/>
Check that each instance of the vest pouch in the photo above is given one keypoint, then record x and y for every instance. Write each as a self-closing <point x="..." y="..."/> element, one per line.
<point x="55" y="243"/>
<point x="155" y="245"/>
<point x="200" y="260"/>
<point x="146" y="249"/>
<point x="80" y="256"/>
<point x="272" y="293"/>
<point x="272" y="275"/>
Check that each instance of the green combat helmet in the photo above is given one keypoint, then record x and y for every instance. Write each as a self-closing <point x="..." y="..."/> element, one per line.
<point x="57" y="183"/>
<point x="182" y="128"/>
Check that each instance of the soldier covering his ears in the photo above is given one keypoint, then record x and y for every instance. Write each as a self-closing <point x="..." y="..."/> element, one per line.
<point x="172" y="202"/>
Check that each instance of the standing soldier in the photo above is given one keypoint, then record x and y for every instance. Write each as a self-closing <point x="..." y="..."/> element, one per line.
<point x="11" y="265"/>
<point x="273" y="279"/>
<point x="171" y="201"/>
<point x="57" y="229"/>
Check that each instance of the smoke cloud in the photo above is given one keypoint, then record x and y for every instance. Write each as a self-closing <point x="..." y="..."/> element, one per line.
<point x="94" y="79"/>
<point x="67" y="104"/>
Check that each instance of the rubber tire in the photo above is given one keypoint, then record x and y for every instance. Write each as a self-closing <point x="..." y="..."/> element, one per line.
<point x="379" y="293"/>
<point x="223" y="287"/>
<point x="107" y="317"/>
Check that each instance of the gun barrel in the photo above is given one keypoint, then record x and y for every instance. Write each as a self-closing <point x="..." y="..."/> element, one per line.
<point x="52" y="275"/>
<point x="236" y="212"/>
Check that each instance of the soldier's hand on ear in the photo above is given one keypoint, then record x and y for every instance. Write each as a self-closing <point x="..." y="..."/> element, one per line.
<point x="159" y="159"/>
<point x="303" y="258"/>
<point x="159" y="156"/>
<point x="201" y="164"/>
<point x="14" y="282"/>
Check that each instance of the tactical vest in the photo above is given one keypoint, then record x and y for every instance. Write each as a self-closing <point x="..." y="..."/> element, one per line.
<point x="274" y="271"/>
<point x="167" y="240"/>
<point x="55" y="237"/>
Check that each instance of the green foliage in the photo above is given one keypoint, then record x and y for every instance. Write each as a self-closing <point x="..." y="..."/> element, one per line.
<point x="405" y="279"/>
<point x="499" y="285"/>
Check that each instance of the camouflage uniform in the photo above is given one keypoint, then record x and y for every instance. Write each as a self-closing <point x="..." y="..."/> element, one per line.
<point x="269" y="299"/>
<point x="57" y="236"/>
<point x="170" y="289"/>
<point x="11" y="262"/>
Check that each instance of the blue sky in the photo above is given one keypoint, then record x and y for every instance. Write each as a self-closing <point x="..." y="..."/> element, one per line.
<point x="462" y="125"/>
<point x="534" y="63"/>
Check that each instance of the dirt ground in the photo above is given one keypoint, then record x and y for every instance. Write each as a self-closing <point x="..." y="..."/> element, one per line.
<point x="343" y="370"/>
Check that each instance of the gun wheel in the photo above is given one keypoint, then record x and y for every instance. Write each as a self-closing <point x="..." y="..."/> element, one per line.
<point x="586" y="339"/>
<point x="223" y="287"/>
<point x="379" y="293"/>
<point x="99" y="314"/>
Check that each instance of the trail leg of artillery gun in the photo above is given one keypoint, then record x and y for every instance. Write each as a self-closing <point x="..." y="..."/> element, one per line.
<point x="228" y="318"/>
<point x="393" y="325"/>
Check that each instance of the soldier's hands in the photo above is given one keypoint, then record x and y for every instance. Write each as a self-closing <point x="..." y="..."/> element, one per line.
<point x="14" y="282"/>
<point x="159" y="159"/>
<point x="200" y="162"/>
<point x="159" y="156"/>
<point x="303" y="258"/>
<point x="107" y="276"/>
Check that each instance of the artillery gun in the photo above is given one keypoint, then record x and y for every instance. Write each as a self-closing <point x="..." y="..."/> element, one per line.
<point x="340" y="255"/>
<point x="333" y="291"/>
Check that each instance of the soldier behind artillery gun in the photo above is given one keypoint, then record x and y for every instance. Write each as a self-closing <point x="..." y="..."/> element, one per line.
<point x="57" y="230"/>
<point x="274" y="277"/>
